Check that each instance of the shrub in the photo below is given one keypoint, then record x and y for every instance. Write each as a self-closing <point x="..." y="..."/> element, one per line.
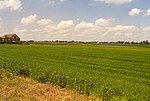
<point x="62" y="81"/>
<point x="23" y="72"/>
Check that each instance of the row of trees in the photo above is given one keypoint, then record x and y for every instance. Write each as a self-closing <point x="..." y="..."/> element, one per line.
<point x="72" y="41"/>
<point x="83" y="42"/>
<point x="142" y="42"/>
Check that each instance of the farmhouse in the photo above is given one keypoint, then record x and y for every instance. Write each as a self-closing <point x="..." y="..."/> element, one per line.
<point x="1" y="39"/>
<point x="10" y="38"/>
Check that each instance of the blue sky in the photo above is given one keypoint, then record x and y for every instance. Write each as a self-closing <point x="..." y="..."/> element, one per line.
<point x="85" y="20"/>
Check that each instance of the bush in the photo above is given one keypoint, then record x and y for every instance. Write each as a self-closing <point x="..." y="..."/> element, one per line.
<point x="23" y="72"/>
<point x="62" y="81"/>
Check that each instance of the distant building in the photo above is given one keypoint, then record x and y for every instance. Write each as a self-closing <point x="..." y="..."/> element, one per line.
<point x="10" y="38"/>
<point x="1" y="39"/>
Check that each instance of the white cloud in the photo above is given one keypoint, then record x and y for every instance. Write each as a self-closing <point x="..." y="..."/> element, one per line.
<point x="0" y="24"/>
<point x="121" y="32"/>
<point x="50" y="28"/>
<point x="124" y="29"/>
<point x="65" y="24"/>
<point x="101" y="30"/>
<point x="104" y="22"/>
<point x="77" y="19"/>
<point x="147" y="13"/>
<point x="146" y="29"/>
<point x="28" y="20"/>
<point x="36" y="30"/>
<point x="117" y="2"/>
<point x="135" y="12"/>
<point x="44" y="22"/>
<point x="56" y="2"/>
<point x="20" y="30"/>
<point x="11" y="4"/>
<point x="84" y="25"/>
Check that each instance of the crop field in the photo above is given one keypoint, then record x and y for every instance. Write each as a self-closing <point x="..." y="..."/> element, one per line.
<point x="113" y="73"/>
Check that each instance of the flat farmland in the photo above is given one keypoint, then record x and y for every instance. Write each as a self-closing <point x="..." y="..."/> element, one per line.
<point x="116" y="73"/>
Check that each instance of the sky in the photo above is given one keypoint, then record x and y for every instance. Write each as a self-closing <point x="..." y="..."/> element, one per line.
<point x="80" y="20"/>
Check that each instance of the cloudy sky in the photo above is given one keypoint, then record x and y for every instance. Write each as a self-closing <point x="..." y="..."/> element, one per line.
<point x="84" y="20"/>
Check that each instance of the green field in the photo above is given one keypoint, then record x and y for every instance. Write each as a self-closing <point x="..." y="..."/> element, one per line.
<point x="116" y="73"/>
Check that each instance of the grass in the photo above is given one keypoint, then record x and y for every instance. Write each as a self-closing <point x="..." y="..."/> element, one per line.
<point x="113" y="73"/>
<point x="15" y="88"/>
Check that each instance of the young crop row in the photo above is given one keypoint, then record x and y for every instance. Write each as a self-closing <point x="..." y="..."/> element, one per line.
<point x="110" y="73"/>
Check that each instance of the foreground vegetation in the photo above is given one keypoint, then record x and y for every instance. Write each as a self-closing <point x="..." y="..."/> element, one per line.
<point x="116" y="73"/>
<point x="15" y="88"/>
